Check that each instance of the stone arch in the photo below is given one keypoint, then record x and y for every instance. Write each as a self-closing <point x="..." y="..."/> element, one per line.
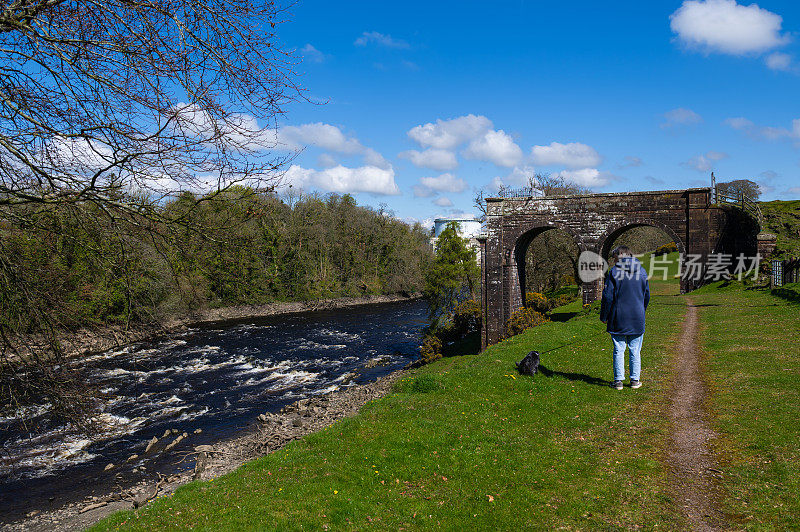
<point x="522" y="241"/>
<point x="593" y="290"/>
<point x="603" y="246"/>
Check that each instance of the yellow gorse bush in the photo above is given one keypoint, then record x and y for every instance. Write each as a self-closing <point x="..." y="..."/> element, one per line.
<point x="524" y="318"/>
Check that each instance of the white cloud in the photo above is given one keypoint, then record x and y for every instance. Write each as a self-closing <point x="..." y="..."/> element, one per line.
<point x="586" y="177"/>
<point x="631" y="162"/>
<point x="755" y="131"/>
<point x="768" y="174"/>
<point x="443" y="202"/>
<point x="680" y="117"/>
<point x="310" y="53"/>
<point x="779" y="61"/>
<point x="495" y="146"/>
<point x="740" y="123"/>
<point x="716" y="155"/>
<point x="793" y="190"/>
<point x="519" y="176"/>
<point x="318" y="134"/>
<point x="237" y="131"/>
<point x="373" y="158"/>
<point x="423" y="192"/>
<point x="705" y="163"/>
<point x="78" y="155"/>
<point x="370" y="37"/>
<point x="445" y="183"/>
<point x="447" y="134"/>
<point x="495" y="185"/>
<point x="775" y="133"/>
<point x="572" y="155"/>
<point x="326" y="160"/>
<point x="327" y="137"/>
<point x="432" y="158"/>
<point x="727" y="27"/>
<point x="485" y="143"/>
<point x="431" y="186"/>
<point x="343" y="180"/>
<point x="765" y="189"/>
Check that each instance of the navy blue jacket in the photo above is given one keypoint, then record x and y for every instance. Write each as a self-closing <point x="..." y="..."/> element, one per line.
<point x="626" y="295"/>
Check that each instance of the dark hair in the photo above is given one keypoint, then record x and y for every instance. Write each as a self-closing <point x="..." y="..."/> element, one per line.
<point x="621" y="251"/>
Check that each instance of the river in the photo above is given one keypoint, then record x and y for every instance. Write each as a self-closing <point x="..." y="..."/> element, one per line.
<point x="210" y="382"/>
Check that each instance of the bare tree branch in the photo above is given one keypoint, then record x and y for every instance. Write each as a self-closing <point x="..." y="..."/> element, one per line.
<point x="121" y="113"/>
<point x="155" y="96"/>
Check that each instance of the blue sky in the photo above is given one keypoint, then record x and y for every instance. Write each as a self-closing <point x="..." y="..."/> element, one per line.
<point x="425" y="103"/>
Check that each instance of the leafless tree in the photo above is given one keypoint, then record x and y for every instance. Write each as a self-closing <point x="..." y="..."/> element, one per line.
<point x="103" y="98"/>
<point x="555" y="185"/>
<point x="109" y="109"/>
<point x="537" y="185"/>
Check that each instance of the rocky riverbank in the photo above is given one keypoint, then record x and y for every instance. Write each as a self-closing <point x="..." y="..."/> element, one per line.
<point x="270" y="433"/>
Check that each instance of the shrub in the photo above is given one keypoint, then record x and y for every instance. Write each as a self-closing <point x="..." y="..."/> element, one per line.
<point x="522" y="319"/>
<point x="431" y="349"/>
<point x="537" y="302"/>
<point x="466" y="318"/>
<point x="666" y="248"/>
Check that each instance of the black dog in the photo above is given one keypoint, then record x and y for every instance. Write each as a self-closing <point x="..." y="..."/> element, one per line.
<point x="529" y="364"/>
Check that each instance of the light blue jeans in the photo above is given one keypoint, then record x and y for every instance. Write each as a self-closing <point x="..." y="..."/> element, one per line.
<point x="634" y="345"/>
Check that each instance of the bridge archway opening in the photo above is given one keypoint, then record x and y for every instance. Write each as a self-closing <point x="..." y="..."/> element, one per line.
<point x="645" y="238"/>
<point x="641" y="238"/>
<point x="546" y="259"/>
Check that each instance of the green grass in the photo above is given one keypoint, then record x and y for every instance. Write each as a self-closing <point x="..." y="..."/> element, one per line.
<point x="783" y="219"/>
<point x="466" y="443"/>
<point x="750" y="339"/>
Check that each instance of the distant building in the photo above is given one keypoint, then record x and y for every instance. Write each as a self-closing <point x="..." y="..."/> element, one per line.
<point x="469" y="228"/>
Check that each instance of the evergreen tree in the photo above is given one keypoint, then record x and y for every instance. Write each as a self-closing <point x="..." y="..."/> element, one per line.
<point x="453" y="274"/>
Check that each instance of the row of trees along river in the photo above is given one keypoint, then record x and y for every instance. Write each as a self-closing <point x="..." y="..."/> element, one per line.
<point x="68" y="266"/>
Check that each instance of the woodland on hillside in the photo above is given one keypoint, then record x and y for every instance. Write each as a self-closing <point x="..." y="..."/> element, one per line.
<point x="74" y="266"/>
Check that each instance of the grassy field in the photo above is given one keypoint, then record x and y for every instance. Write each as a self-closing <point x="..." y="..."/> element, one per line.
<point x="751" y="339"/>
<point x="783" y="219"/>
<point x="465" y="443"/>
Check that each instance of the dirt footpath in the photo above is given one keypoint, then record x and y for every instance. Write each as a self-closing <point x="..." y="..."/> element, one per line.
<point x="690" y="454"/>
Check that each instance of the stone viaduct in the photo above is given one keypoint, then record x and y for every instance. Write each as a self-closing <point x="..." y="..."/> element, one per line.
<point x="595" y="220"/>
